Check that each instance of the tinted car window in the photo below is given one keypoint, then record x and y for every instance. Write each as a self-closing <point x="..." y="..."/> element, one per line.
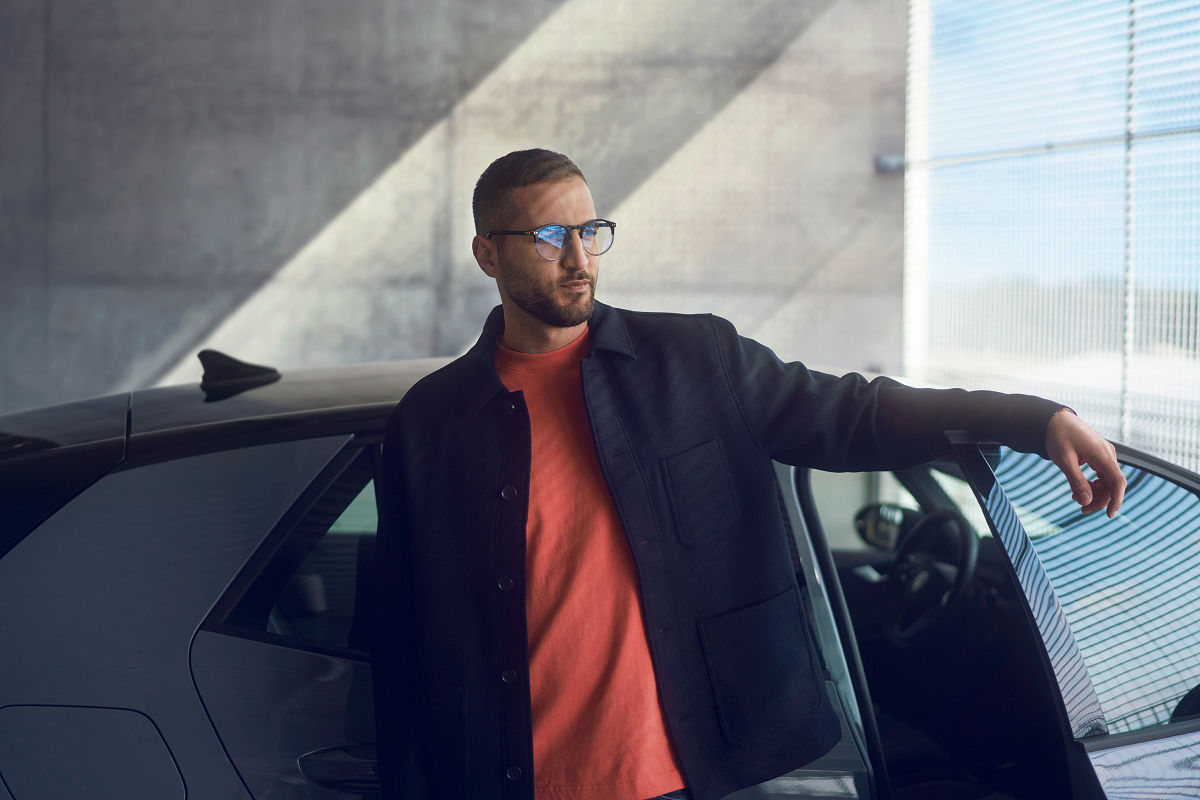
<point x="1130" y="587"/>
<point x="47" y="456"/>
<point x="960" y="493"/>
<point x="314" y="588"/>
<point x="840" y="495"/>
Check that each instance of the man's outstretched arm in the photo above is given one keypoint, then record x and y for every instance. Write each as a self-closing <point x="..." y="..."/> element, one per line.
<point x="1071" y="443"/>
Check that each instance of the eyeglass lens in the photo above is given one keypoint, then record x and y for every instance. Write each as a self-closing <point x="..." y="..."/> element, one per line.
<point x="596" y="239"/>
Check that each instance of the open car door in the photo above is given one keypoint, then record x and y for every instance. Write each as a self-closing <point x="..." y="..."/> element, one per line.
<point x="1117" y="606"/>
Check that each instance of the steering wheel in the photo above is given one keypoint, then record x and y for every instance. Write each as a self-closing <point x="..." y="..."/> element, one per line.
<point x="922" y="584"/>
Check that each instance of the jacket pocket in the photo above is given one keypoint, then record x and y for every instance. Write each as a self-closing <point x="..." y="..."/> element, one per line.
<point x="763" y="671"/>
<point x="444" y="717"/>
<point x="701" y="495"/>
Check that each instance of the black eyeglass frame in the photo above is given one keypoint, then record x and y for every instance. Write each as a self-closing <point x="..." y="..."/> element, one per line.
<point x="598" y="222"/>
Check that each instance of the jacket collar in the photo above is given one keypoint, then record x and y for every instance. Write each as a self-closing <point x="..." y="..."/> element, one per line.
<point x="481" y="383"/>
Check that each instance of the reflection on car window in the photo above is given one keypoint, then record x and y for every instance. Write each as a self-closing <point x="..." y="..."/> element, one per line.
<point x="892" y="491"/>
<point x="315" y="587"/>
<point x="963" y="496"/>
<point x="359" y="518"/>
<point x="1130" y="587"/>
<point x="839" y="496"/>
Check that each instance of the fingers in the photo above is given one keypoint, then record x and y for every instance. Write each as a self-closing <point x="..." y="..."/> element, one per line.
<point x="1066" y="435"/>
<point x="1107" y="490"/>
<point x="1118" y="495"/>
<point x="1070" y="442"/>
<point x="1081" y="488"/>
<point x="1099" y="499"/>
<point x="1108" y="472"/>
<point x="1109" y="486"/>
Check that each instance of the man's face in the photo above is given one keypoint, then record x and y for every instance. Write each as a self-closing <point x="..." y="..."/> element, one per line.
<point x="557" y="293"/>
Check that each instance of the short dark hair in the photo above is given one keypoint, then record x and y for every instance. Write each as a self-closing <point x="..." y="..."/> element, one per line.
<point x="490" y="203"/>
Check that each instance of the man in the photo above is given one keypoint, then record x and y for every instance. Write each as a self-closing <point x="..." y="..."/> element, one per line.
<point x="585" y="591"/>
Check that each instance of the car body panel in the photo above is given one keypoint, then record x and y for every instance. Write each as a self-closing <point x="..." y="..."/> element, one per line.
<point x="273" y="704"/>
<point x="114" y="584"/>
<point x="1167" y="767"/>
<point x="64" y="751"/>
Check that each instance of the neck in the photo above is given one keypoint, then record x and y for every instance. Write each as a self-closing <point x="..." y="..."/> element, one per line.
<point x="527" y="335"/>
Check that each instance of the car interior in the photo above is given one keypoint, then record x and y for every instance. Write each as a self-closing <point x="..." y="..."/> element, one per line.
<point x="962" y="702"/>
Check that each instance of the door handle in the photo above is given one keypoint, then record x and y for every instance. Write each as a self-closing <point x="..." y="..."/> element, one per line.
<point x="351" y="768"/>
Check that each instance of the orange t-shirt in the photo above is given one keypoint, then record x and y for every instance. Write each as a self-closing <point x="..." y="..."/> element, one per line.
<point x="598" y="728"/>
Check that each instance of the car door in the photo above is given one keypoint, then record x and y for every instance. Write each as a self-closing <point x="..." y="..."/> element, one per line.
<point x="281" y="663"/>
<point x="1117" y="605"/>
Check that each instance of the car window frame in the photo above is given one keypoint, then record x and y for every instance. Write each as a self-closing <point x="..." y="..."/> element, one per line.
<point x="833" y="627"/>
<point x="218" y="618"/>
<point x="1080" y="717"/>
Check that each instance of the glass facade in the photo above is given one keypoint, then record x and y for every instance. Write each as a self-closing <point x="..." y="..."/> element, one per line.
<point x="1052" y="208"/>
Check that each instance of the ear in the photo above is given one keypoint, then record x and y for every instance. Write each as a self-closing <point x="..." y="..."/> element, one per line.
<point x="486" y="256"/>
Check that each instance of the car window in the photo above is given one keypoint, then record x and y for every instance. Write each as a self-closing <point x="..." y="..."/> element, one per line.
<point x="963" y="497"/>
<point x="1129" y="587"/>
<point x="840" y="495"/>
<point x="314" y="588"/>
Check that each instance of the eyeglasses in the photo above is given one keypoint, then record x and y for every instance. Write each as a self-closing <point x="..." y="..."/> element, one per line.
<point x="596" y="236"/>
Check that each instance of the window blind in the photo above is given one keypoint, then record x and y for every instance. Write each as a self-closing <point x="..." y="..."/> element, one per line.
<point x="1052" y="208"/>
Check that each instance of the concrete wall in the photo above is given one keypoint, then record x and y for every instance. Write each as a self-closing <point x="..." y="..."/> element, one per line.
<point x="289" y="180"/>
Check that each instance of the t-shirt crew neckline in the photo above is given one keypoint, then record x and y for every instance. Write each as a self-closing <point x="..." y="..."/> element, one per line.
<point x="566" y="356"/>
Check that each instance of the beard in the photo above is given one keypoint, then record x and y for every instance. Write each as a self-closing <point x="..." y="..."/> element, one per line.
<point x="539" y="300"/>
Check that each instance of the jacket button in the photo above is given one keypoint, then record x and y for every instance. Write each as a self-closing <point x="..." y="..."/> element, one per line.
<point x="513" y="773"/>
<point x="508" y="492"/>
<point x="510" y="407"/>
<point x="505" y="583"/>
<point x="509" y="676"/>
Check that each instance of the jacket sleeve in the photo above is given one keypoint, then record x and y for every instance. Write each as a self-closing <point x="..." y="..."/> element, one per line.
<point x="398" y="739"/>
<point x="808" y="418"/>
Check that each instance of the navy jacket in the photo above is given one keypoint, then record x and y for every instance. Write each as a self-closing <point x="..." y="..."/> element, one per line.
<point x="687" y="417"/>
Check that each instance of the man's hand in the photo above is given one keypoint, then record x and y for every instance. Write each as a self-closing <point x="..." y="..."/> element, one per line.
<point x="1071" y="443"/>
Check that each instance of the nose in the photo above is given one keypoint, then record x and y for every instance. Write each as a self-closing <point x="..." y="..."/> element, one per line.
<point x="573" y="254"/>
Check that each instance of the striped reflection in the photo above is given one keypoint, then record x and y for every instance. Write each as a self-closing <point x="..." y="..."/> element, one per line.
<point x="1130" y="587"/>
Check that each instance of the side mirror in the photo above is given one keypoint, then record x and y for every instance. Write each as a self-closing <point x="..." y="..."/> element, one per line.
<point x="883" y="525"/>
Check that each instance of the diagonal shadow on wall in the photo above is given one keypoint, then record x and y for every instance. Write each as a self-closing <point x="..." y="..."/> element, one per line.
<point x="192" y="149"/>
<point x="391" y="275"/>
<point x="218" y="176"/>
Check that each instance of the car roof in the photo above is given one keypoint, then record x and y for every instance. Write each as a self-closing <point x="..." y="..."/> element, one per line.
<point x="362" y="389"/>
<point x="48" y="455"/>
<point x="329" y="389"/>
